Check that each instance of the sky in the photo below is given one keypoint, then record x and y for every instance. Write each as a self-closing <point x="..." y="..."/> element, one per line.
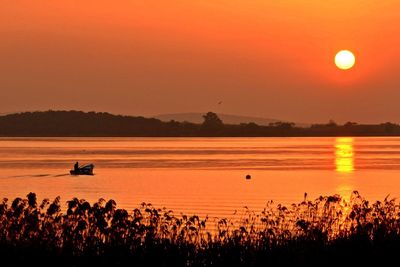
<point x="272" y="59"/>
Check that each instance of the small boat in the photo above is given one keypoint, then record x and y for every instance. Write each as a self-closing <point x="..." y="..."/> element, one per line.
<point x="83" y="170"/>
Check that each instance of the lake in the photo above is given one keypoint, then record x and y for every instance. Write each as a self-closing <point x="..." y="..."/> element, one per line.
<point x="203" y="176"/>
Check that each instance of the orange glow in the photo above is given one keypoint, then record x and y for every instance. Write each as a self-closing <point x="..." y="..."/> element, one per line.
<point x="198" y="50"/>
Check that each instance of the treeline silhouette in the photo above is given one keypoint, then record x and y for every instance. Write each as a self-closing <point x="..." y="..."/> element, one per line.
<point x="77" y="123"/>
<point x="327" y="231"/>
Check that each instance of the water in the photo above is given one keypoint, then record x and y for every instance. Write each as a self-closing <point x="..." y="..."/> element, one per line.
<point x="204" y="176"/>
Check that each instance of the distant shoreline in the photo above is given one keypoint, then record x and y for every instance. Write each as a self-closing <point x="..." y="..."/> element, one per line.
<point x="100" y="124"/>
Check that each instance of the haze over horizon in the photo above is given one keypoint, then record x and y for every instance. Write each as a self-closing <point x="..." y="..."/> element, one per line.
<point x="270" y="59"/>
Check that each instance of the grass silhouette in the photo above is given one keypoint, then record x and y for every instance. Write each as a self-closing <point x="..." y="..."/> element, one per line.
<point x="327" y="231"/>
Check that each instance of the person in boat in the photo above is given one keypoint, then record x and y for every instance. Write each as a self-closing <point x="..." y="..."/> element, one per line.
<point x="76" y="167"/>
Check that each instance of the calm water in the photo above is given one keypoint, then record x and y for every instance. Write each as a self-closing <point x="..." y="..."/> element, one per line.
<point x="201" y="175"/>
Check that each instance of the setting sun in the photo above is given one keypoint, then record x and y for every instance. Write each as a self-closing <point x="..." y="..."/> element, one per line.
<point x="345" y="60"/>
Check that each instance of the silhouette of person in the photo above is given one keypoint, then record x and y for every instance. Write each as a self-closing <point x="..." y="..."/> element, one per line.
<point x="76" y="167"/>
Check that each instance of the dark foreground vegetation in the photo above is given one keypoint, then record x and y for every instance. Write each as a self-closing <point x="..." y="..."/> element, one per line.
<point x="92" y="124"/>
<point x="325" y="232"/>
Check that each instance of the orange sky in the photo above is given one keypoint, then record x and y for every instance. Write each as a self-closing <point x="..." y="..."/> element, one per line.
<point x="262" y="58"/>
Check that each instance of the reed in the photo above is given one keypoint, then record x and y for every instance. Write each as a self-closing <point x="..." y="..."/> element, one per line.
<point x="328" y="230"/>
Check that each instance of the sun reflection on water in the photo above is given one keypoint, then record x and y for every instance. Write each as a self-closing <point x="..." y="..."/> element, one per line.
<point x="344" y="155"/>
<point x="344" y="162"/>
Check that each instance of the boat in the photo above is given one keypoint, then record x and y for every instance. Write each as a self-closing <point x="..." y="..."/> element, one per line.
<point x="83" y="170"/>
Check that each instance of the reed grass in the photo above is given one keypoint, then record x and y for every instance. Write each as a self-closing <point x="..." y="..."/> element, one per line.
<point x="326" y="231"/>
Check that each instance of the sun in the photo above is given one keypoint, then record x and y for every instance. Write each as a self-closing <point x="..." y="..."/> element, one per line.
<point x="345" y="59"/>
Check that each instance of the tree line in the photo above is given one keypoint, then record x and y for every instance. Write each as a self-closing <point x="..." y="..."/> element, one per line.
<point x="100" y="124"/>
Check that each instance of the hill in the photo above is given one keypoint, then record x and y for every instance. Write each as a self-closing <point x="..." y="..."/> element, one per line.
<point x="77" y="123"/>
<point x="226" y="118"/>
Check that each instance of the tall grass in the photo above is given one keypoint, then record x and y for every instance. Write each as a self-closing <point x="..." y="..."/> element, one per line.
<point x="326" y="231"/>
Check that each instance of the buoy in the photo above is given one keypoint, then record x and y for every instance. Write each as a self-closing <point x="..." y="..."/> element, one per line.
<point x="248" y="177"/>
